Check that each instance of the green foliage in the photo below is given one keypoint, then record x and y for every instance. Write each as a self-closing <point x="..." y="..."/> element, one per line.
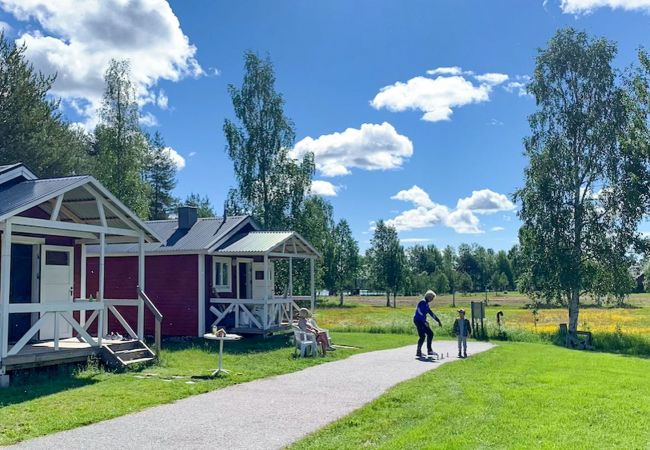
<point x="120" y="148"/>
<point x="387" y="259"/>
<point x="271" y="185"/>
<point x="161" y="176"/>
<point x="440" y="283"/>
<point x="587" y="184"/>
<point x="202" y="204"/>
<point x="341" y="260"/>
<point x="32" y="130"/>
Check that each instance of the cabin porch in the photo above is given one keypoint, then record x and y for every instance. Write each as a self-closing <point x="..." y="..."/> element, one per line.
<point x="254" y="306"/>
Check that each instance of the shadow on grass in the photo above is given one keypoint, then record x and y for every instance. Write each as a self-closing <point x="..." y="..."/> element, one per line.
<point x="244" y="346"/>
<point x="30" y="384"/>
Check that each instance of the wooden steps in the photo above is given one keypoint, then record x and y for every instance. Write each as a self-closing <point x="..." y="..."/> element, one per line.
<point x="121" y="355"/>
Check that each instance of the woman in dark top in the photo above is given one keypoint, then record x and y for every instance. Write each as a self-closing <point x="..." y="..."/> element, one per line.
<point x="420" y="321"/>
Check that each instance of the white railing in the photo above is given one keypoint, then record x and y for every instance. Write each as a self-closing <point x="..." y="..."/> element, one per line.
<point x="56" y="311"/>
<point x="260" y="314"/>
<point x="100" y="312"/>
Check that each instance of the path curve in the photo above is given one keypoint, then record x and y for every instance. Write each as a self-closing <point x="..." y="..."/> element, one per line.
<point x="261" y="414"/>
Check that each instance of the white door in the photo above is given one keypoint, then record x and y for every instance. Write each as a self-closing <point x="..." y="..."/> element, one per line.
<point x="57" y="275"/>
<point x="259" y="285"/>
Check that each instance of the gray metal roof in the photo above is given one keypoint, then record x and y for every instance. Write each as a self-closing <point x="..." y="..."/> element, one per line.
<point x="197" y="239"/>
<point x="257" y="242"/>
<point x="7" y="167"/>
<point x="29" y="191"/>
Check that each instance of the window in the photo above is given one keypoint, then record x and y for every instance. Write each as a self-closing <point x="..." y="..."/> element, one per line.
<point x="221" y="274"/>
<point x="259" y="274"/>
<point x="53" y="258"/>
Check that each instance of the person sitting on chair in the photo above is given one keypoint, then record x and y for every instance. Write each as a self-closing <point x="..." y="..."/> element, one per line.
<point x="303" y="323"/>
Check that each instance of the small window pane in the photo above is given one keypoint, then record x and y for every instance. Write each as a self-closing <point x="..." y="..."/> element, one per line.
<point x="53" y="258"/>
<point x="259" y="274"/>
<point x="224" y="274"/>
<point x="217" y="276"/>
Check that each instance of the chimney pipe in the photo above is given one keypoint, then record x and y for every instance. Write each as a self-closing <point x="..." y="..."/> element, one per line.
<point x="187" y="217"/>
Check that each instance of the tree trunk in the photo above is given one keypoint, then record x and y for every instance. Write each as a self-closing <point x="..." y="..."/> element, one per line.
<point x="453" y="298"/>
<point x="341" y="298"/>
<point x="387" y="298"/>
<point x="574" y="309"/>
<point x="395" y="299"/>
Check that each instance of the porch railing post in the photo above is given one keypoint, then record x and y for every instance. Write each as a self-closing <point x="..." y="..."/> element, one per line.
<point x="266" y="292"/>
<point x="312" y="284"/>
<point x="290" y="277"/>
<point x="141" y="279"/>
<point x="4" y="289"/>
<point x="82" y="282"/>
<point x="103" y="319"/>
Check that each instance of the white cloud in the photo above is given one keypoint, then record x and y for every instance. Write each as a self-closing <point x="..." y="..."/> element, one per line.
<point x="427" y="214"/>
<point x="148" y="120"/>
<point x="587" y="6"/>
<point x="497" y="229"/>
<point x="415" y="195"/>
<point x="463" y="221"/>
<point x="420" y="217"/>
<point x="162" y="100"/>
<point x="179" y="161"/>
<point x="77" y="40"/>
<point x="191" y="154"/>
<point x="518" y="85"/>
<point x="415" y="240"/>
<point x="485" y="201"/>
<point x="437" y="97"/>
<point x="324" y="188"/>
<point x="371" y="147"/>
<point x="5" y="27"/>
<point x="496" y="122"/>
<point x="492" y="79"/>
<point x="455" y="70"/>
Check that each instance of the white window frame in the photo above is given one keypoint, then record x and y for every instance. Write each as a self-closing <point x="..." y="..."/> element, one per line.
<point x="219" y="287"/>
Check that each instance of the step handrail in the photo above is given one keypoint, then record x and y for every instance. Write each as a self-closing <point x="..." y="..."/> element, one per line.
<point x="156" y="314"/>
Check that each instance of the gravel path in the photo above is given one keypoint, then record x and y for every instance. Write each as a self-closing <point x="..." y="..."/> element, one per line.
<point x="263" y="414"/>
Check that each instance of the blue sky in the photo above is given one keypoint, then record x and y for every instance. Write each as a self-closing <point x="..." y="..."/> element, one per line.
<point x="434" y="127"/>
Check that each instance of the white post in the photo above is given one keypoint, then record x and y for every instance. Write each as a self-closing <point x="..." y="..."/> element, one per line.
<point x="100" y="295"/>
<point x="141" y="281"/>
<point x="201" y="299"/>
<point x="290" y="277"/>
<point x="4" y="286"/>
<point x="82" y="283"/>
<point x="312" y="284"/>
<point x="266" y="291"/>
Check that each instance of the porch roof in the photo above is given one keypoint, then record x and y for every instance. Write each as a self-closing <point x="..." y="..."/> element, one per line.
<point x="279" y="243"/>
<point x="72" y="200"/>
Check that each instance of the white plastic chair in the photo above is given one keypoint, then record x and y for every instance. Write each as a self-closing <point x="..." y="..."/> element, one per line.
<point x="305" y="343"/>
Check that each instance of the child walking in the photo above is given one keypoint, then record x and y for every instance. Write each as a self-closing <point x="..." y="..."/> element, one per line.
<point x="420" y="321"/>
<point x="462" y="329"/>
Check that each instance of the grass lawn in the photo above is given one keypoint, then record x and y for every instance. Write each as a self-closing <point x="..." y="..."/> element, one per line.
<point x="55" y="399"/>
<point x="624" y="330"/>
<point x="519" y="395"/>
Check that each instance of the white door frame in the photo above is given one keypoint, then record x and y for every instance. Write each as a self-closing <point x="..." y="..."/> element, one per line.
<point x="249" y="276"/>
<point x="43" y="268"/>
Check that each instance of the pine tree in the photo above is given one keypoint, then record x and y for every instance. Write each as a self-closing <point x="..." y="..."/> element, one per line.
<point x="161" y="176"/>
<point x="202" y="204"/>
<point x="32" y="130"/>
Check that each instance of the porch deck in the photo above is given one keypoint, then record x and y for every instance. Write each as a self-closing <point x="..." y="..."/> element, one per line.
<point x="43" y="353"/>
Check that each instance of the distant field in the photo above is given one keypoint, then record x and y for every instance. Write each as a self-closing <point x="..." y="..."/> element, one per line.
<point x="369" y="314"/>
